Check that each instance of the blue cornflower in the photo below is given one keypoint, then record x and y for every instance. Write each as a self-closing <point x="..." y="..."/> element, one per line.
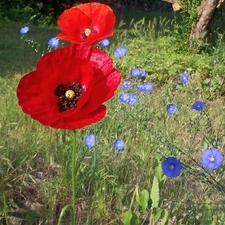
<point x="212" y="158"/>
<point x="198" y="105"/>
<point x="146" y="87"/>
<point x="104" y="42"/>
<point x="171" y="108"/>
<point x="119" y="144"/>
<point x="53" y="42"/>
<point x="120" y="52"/>
<point x="135" y="72"/>
<point x="90" y="140"/>
<point x="171" y="167"/>
<point x="184" y="77"/>
<point x="124" y="97"/>
<point x="125" y="85"/>
<point x="24" y="30"/>
<point x="133" y="99"/>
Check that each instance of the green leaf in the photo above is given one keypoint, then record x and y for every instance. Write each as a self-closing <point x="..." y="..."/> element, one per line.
<point x="144" y="198"/>
<point x="165" y="218"/>
<point x="127" y="216"/>
<point x="155" y="193"/>
<point x="157" y="215"/>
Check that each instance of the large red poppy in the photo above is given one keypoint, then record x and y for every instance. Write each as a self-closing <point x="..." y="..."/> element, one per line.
<point x="69" y="86"/>
<point x="86" y="23"/>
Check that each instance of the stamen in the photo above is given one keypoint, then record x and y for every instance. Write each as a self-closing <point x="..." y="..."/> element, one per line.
<point x="171" y="167"/>
<point x="68" y="95"/>
<point x="212" y="158"/>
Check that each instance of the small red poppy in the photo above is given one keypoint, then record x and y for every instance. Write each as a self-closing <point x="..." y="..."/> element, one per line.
<point x="86" y="23"/>
<point x="69" y="86"/>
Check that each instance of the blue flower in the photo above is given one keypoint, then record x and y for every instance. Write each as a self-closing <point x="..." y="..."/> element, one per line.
<point x="142" y="73"/>
<point x="133" y="99"/>
<point x="104" y="42"/>
<point x="90" y="140"/>
<point x="125" y="85"/>
<point x="171" y="167"/>
<point x="184" y="77"/>
<point x="24" y="30"/>
<point x="146" y="87"/>
<point x="120" y="52"/>
<point x="119" y="144"/>
<point x="53" y="42"/>
<point x="212" y="158"/>
<point x="198" y="105"/>
<point x="124" y="97"/>
<point x="171" y="108"/>
<point x="135" y="72"/>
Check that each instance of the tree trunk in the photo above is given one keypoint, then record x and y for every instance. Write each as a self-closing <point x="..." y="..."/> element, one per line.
<point x="206" y="12"/>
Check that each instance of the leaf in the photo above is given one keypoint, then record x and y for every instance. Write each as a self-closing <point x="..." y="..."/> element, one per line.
<point x="165" y="218"/>
<point x="157" y="214"/>
<point x="144" y="198"/>
<point x="155" y="193"/>
<point x="127" y="216"/>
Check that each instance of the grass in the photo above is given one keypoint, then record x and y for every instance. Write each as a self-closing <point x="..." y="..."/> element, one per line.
<point x="35" y="160"/>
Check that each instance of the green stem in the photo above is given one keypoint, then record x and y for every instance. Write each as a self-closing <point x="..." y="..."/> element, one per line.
<point x="63" y="211"/>
<point x="73" y="179"/>
<point x="92" y="181"/>
<point x="4" y="200"/>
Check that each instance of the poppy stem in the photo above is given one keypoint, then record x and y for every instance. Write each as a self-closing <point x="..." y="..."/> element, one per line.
<point x="73" y="168"/>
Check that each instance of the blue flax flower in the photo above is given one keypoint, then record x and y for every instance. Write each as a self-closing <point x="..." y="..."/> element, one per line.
<point x="120" y="52"/>
<point x="119" y="144"/>
<point x="104" y="42"/>
<point x="125" y="85"/>
<point x="53" y="42"/>
<point x="198" y="105"/>
<point x="171" y="108"/>
<point x="171" y="167"/>
<point x="146" y="87"/>
<point x="142" y="73"/>
<point x="212" y="158"/>
<point x="184" y="77"/>
<point x="135" y="72"/>
<point x="124" y="97"/>
<point x="24" y="30"/>
<point x="133" y="99"/>
<point x="90" y="140"/>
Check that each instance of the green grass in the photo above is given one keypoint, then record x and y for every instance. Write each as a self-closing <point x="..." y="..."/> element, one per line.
<point x="37" y="159"/>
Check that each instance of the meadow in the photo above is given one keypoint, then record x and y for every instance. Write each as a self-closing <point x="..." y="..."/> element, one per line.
<point x="126" y="186"/>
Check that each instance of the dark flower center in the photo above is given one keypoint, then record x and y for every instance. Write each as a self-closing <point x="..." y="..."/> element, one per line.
<point x="86" y="32"/>
<point x="68" y="95"/>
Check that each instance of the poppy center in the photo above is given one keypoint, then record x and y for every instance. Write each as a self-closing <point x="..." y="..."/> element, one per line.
<point x="68" y="95"/>
<point x="171" y="167"/>
<point x="212" y="159"/>
<point x="87" y="32"/>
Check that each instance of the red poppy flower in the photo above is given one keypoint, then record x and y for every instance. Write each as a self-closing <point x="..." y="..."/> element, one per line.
<point x="69" y="86"/>
<point x="86" y="23"/>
